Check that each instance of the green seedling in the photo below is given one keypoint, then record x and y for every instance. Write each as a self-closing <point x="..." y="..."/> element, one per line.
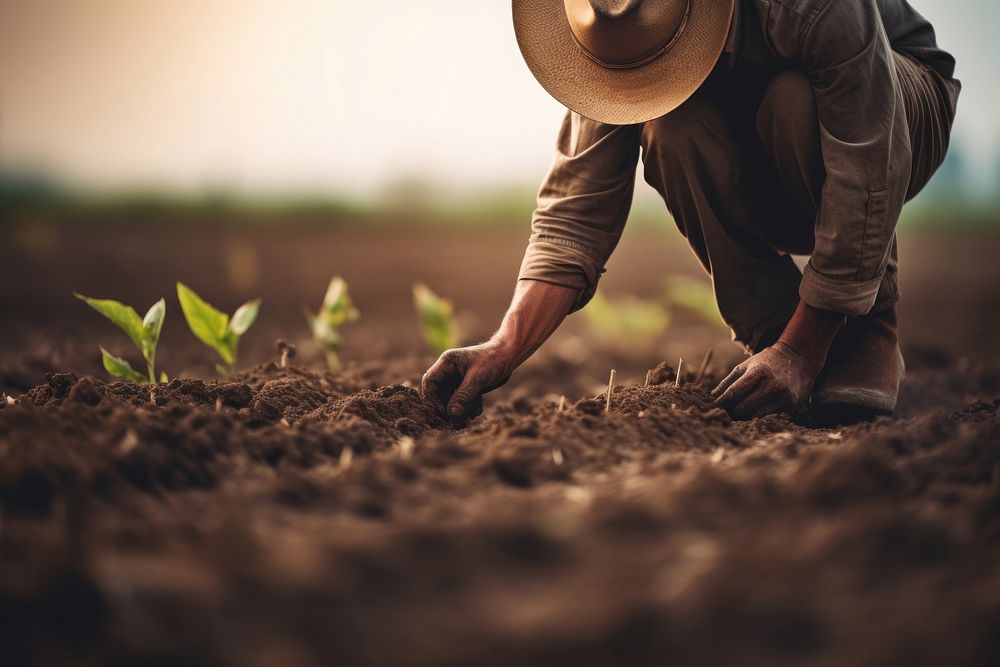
<point x="336" y="311"/>
<point x="144" y="332"/>
<point x="437" y="319"/>
<point x="626" y="319"/>
<point x="694" y="295"/>
<point x="214" y="328"/>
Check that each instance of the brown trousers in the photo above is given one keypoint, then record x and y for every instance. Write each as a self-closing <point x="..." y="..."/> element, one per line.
<point x="740" y="168"/>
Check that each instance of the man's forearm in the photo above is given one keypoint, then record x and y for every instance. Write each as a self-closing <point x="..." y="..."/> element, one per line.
<point x="583" y="205"/>
<point x="810" y="333"/>
<point x="536" y="311"/>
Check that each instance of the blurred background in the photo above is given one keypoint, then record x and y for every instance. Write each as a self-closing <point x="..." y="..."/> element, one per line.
<point x="356" y="101"/>
<point x="258" y="148"/>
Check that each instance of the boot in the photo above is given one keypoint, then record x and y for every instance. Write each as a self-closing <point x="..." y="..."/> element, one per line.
<point x="863" y="371"/>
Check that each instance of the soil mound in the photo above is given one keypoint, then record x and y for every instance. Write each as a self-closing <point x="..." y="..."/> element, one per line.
<point x="326" y="508"/>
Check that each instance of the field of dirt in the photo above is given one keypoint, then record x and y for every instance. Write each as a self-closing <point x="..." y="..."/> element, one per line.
<point x="294" y="516"/>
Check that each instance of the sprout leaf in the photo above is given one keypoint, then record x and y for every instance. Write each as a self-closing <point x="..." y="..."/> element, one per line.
<point x="208" y="324"/>
<point x="336" y="311"/>
<point x="145" y="333"/>
<point x="152" y="325"/>
<point x="626" y="320"/>
<point x="436" y="316"/>
<point x="694" y="295"/>
<point x="120" y="368"/>
<point x="124" y="317"/>
<point x="213" y="327"/>
<point x="244" y="317"/>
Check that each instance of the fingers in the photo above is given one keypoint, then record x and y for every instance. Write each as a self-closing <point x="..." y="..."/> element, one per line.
<point x="477" y="407"/>
<point x="454" y="385"/>
<point x="739" y="389"/>
<point x="728" y="381"/>
<point x="429" y="390"/>
<point x="763" y="400"/>
<point x="466" y="398"/>
<point x="733" y="376"/>
<point x="440" y="381"/>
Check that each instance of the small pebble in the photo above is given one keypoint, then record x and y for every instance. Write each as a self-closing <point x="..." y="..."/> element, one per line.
<point x="346" y="454"/>
<point x="406" y="445"/>
<point x="557" y="456"/>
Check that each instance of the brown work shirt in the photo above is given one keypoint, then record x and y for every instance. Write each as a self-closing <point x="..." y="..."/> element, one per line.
<point x="845" y="47"/>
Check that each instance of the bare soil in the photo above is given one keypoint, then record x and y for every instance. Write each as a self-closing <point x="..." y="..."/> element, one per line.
<point x="294" y="516"/>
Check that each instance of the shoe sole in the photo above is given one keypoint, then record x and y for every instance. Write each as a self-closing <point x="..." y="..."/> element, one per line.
<point x="847" y="405"/>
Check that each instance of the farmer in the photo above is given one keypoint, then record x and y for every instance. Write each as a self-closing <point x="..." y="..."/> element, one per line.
<point x="769" y="127"/>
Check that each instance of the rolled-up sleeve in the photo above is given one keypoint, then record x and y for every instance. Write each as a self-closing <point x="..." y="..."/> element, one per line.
<point x="866" y="152"/>
<point x="583" y="205"/>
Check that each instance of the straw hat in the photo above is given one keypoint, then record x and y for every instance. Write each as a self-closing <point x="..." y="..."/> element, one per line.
<point x="621" y="61"/>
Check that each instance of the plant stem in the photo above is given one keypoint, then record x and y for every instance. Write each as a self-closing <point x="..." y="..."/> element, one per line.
<point x="332" y="360"/>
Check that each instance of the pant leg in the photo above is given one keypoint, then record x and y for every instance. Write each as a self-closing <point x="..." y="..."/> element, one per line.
<point x="788" y="132"/>
<point x="788" y="129"/>
<point x="692" y="158"/>
<point x="930" y="101"/>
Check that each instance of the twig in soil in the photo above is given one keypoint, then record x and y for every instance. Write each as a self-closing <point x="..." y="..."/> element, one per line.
<point x="562" y="403"/>
<point x="611" y="386"/>
<point x="287" y="351"/>
<point x="346" y="454"/>
<point x="406" y="444"/>
<point x="218" y="404"/>
<point x="557" y="456"/>
<point x="152" y="397"/>
<point x="706" y="360"/>
<point x="646" y="383"/>
<point x="680" y="369"/>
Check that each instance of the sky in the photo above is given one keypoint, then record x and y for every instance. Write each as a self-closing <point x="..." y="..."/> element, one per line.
<point x="328" y="95"/>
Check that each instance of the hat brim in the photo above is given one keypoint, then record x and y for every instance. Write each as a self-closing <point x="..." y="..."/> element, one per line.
<point x="620" y="96"/>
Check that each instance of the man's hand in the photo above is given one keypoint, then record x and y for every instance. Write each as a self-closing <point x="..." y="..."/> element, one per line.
<point x="779" y="378"/>
<point x="776" y="379"/>
<point x="458" y="379"/>
<point x="456" y="382"/>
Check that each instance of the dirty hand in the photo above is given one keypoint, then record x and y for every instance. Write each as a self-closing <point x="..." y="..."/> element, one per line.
<point x="458" y="379"/>
<point x="776" y="379"/>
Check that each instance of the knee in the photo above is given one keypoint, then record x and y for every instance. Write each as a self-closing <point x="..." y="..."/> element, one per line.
<point x="682" y="135"/>
<point x="788" y="111"/>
